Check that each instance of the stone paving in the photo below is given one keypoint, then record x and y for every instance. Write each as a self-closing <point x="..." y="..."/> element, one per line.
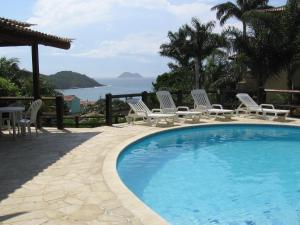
<point x="56" y="178"/>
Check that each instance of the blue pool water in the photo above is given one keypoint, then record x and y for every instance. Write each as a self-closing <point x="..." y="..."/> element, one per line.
<point x="226" y="174"/>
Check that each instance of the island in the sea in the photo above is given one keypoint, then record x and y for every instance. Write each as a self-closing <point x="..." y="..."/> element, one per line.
<point x="70" y="79"/>
<point x="130" y="75"/>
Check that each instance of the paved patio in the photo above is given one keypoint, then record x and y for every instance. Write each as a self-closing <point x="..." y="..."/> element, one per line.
<point x="57" y="177"/>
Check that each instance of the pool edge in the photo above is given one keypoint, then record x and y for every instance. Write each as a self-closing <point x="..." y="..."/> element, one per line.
<point x="128" y="199"/>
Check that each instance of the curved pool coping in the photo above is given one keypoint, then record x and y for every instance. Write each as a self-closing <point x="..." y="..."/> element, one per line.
<point x="129" y="200"/>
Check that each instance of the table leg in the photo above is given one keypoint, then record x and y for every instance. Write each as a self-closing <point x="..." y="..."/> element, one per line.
<point x="14" y="123"/>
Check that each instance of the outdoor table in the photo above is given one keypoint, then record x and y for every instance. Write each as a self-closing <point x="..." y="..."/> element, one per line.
<point x="12" y="111"/>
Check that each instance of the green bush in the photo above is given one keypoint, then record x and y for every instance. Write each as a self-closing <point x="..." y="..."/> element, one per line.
<point x="7" y="88"/>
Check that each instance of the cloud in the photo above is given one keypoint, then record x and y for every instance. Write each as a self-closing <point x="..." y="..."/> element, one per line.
<point x="191" y="9"/>
<point x="133" y="45"/>
<point x="57" y="15"/>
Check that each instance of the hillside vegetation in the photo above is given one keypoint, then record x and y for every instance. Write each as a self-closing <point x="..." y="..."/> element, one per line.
<point x="69" y="79"/>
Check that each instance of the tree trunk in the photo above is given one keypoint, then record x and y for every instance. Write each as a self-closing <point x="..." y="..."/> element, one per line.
<point x="197" y="73"/>
<point x="261" y="96"/>
<point x="244" y="29"/>
<point x="290" y="85"/>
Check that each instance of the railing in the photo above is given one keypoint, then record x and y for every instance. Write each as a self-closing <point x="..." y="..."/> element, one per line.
<point x="78" y="121"/>
<point x="288" y="99"/>
<point x="111" y="115"/>
<point x="59" y="106"/>
<point x="180" y="98"/>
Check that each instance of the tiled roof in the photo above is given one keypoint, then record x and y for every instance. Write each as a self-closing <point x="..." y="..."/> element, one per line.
<point x="16" y="22"/>
<point x="69" y="98"/>
<point x="277" y="9"/>
<point x="86" y="102"/>
<point x="24" y="35"/>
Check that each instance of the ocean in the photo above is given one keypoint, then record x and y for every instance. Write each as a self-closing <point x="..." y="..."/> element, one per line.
<point x="113" y="86"/>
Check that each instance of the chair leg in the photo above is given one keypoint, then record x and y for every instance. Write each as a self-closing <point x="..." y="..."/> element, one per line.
<point x="8" y="126"/>
<point x="29" y="129"/>
<point x="149" y="122"/>
<point x="23" y="129"/>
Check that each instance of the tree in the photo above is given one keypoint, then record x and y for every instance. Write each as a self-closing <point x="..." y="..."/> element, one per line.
<point x="9" y="68"/>
<point x="7" y="88"/>
<point x="290" y="37"/>
<point x="228" y="73"/>
<point x="278" y="36"/>
<point x="201" y="44"/>
<point x="13" y="76"/>
<point x="192" y="44"/>
<point x="176" y="50"/>
<point x="228" y="10"/>
<point x="174" y="81"/>
<point x="261" y="52"/>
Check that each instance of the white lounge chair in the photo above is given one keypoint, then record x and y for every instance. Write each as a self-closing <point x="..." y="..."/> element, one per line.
<point x="167" y="105"/>
<point x="138" y="109"/>
<point x="203" y="104"/>
<point x="250" y="107"/>
<point x="30" y="117"/>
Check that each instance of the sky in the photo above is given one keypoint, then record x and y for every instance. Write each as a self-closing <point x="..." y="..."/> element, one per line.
<point x="110" y="36"/>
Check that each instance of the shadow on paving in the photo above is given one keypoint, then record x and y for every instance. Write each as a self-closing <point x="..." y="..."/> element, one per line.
<point x="25" y="157"/>
<point x="6" y="217"/>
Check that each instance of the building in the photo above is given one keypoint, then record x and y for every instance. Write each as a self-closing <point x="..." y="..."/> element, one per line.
<point x="73" y="104"/>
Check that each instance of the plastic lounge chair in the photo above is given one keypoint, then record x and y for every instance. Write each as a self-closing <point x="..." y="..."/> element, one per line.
<point x="250" y="107"/>
<point x="30" y="117"/>
<point x="140" y="110"/>
<point x="203" y="104"/>
<point x="167" y="105"/>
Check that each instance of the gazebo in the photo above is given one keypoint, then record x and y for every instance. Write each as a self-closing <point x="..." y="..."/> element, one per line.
<point x="17" y="33"/>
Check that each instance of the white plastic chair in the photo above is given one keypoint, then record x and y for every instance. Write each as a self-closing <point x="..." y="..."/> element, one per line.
<point x="140" y="110"/>
<point x="167" y="105"/>
<point x="202" y="103"/>
<point x="30" y="117"/>
<point x="250" y="107"/>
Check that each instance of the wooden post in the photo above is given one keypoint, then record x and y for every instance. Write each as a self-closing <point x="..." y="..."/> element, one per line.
<point x="108" y="109"/>
<point x="59" y="112"/>
<point x="35" y="71"/>
<point x="179" y="98"/>
<point x="76" y="121"/>
<point x="261" y="95"/>
<point x="116" y="118"/>
<point x="145" y="97"/>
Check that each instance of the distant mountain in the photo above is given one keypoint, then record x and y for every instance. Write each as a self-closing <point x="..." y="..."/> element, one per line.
<point x="69" y="79"/>
<point x="130" y="75"/>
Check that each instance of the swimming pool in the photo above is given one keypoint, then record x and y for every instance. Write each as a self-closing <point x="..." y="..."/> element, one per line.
<point x="219" y="174"/>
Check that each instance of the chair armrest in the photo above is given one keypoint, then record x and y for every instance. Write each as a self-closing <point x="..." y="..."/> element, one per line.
<point x="201" y="107"/>
<point x="183" y="108"/>
<point x="267" y="106"/>
<point x="217" y="106"/>
<point x="130" y="112"/>
<point x="156" y="110"/>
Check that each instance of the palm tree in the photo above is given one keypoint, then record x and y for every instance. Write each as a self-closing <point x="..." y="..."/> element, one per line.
<point x="279" y="34"/>
<point x="290" y="31"/>
<point x="200" y="44"/>
<point x="175" y="49"/>
<point x="192" y="44"/>
<point x="228" y="10"/>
